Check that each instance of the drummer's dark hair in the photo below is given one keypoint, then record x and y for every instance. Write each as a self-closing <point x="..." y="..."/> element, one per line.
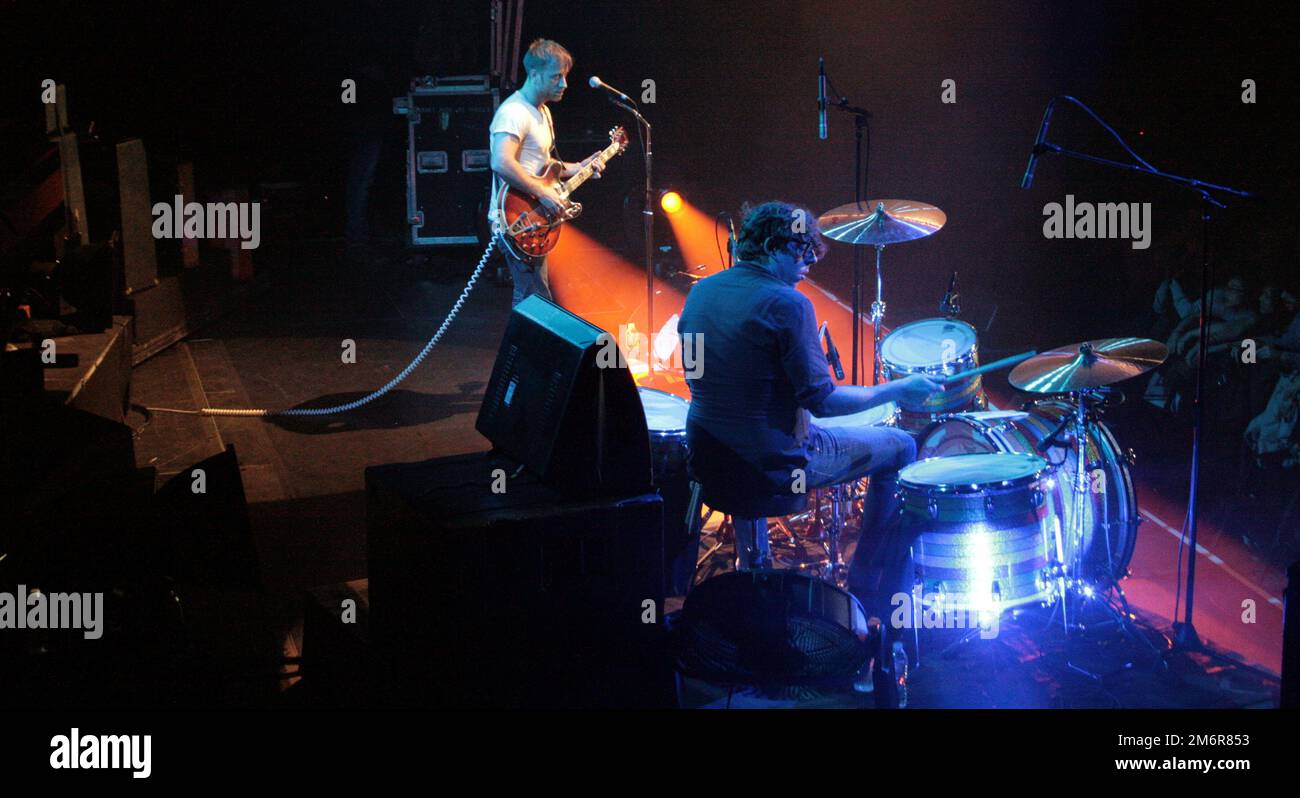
<point x="774" y="224"/>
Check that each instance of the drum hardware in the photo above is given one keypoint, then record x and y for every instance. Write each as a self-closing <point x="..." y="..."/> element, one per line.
<point x="1082" y="370"/>
<point x="831" y="510"/>
<point x="726" y="533"/>
<point x="891" y="221"/>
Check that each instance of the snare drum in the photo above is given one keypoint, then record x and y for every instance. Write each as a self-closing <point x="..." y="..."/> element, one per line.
<point x="935" y="348"/>
<point x="984" y="538"/>
<point x="885" y="415"/>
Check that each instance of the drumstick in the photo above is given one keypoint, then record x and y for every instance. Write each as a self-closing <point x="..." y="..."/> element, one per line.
<point x="997" y="364"/>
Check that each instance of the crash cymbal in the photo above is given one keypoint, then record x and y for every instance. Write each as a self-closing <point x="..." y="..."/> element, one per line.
<point x="879" y="222"/>
<point x="1090" y="364"/>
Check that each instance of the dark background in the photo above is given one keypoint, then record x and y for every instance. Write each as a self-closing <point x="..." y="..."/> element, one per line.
<point x="251" y="92"/>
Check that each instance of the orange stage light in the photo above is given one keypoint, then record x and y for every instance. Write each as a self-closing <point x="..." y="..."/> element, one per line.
<point x="701" y="240"/>
<point x="671" y="202"/>
<point x="608" y="290"/>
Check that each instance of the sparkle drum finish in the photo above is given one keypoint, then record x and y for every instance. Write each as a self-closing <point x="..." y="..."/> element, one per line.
<point x="982" y="530"/>
<point x="1110" y="507"/>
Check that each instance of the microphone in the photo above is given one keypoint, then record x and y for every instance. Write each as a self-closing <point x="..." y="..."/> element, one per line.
<point x="832" y="354"/>
<point x="597" y="83"/>
<point x="1046" y="443"/>
<point x="821" y="100"/>
<point x="1028" y="179"/>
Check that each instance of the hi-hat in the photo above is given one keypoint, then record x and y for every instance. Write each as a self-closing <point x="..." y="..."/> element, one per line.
<point x="1090" y="364"/>
<point x="879" y="222"/>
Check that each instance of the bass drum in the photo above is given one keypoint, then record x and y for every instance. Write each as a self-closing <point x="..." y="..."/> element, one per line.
<point x="1110" y="509"/>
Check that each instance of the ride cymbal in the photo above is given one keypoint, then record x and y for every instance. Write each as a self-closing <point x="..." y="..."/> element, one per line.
<point x="879" y="222"/>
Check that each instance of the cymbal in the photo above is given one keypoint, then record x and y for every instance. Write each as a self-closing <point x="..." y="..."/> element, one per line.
<point x="879" y="222"/>
<point x="1090" y="364"/>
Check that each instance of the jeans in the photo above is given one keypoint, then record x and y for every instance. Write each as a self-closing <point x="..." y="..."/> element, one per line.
<point x="529" y="277"/>
<point x="879" y="566"/>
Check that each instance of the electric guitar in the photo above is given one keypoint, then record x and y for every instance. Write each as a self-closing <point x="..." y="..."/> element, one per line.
<point x="525" y="224"/>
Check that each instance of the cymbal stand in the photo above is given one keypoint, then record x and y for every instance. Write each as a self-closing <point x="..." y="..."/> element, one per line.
<point x="877" y="316"/>
<point x="1074" y="582"/>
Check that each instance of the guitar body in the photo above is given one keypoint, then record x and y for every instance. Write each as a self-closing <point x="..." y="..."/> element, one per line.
<point x="536" y="233"/>
<point x="525" y="225"/>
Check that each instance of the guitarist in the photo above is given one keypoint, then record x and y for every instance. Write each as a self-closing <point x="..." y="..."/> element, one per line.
<point x="523" y="146"/>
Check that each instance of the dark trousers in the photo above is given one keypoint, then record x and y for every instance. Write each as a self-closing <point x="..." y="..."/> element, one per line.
<point x="879" y="566"/>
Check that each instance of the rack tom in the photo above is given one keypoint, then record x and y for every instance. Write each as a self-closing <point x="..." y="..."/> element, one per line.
<point x="936" y="348"/>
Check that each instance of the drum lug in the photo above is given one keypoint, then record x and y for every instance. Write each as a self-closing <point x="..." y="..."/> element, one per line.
<point x="1131" y="457"/>
<point x="988" y="504"/>
<point x="932" y="504"/>
<point x="1037" y="498"/>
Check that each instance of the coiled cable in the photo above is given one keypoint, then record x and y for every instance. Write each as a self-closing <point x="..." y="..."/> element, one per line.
<point x="353" y="405"/>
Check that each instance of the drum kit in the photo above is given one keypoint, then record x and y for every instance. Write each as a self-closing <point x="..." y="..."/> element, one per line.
<point x="1006" y="509"/>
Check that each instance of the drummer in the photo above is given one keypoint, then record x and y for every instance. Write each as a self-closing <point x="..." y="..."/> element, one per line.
<point x="764" y="374"/>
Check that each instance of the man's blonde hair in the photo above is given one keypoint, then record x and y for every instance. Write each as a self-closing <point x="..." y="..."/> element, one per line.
<point x="544" y="52"/>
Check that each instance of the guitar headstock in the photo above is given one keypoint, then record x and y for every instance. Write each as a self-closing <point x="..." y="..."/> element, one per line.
<point x="617" y="135"/>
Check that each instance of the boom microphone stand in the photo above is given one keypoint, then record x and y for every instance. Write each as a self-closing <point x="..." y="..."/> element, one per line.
<point x="861" y="123"/>
<point x="1185" y="636"/>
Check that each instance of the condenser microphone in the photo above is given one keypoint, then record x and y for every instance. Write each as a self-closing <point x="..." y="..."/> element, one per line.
<point x="832" y="354"/>
<point x="1028" y="179"/>
<point x="731" y="240"/>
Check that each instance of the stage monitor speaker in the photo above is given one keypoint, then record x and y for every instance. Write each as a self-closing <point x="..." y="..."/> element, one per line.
<point x="562" y="402"/>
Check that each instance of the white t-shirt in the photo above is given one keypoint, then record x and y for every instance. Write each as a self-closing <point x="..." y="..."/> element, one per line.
<point x="534" y="129"/>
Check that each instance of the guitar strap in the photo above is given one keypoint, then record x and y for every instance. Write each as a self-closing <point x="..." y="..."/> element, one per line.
<point x="550" y="123"/>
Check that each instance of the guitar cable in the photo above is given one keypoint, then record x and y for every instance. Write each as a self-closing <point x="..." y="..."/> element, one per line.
<point x="353" y="405"/>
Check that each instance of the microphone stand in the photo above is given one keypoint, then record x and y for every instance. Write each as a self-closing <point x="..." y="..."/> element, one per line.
<point x="860" y="122"/>
<point x="649" y="220"/>
<point x="1185" y="636"/>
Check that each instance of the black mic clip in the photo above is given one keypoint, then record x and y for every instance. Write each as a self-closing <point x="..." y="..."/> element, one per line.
<point x="950" y="305"/>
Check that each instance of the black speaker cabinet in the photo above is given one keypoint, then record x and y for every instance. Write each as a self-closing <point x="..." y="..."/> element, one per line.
<point x="488" y="589"/>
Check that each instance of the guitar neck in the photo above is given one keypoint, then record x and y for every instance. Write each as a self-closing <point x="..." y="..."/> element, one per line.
<point x="580" y="176"/>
